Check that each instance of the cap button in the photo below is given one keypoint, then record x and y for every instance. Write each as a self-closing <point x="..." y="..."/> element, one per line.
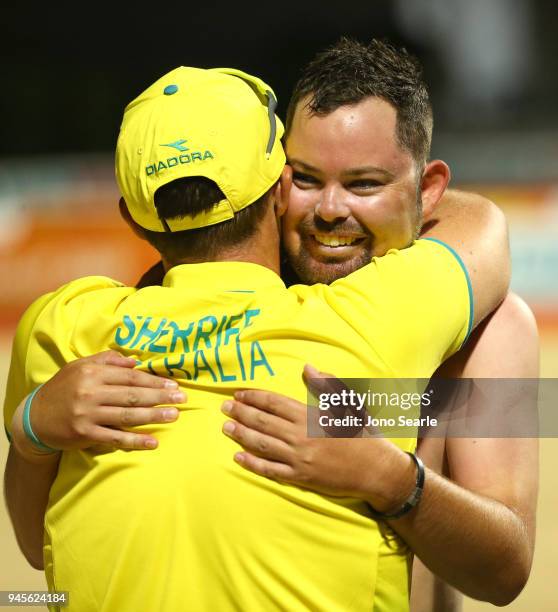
<point x="170" y="89"/>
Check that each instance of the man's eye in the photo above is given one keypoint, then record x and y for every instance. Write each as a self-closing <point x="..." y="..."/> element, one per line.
<point x="304" y="179"/>
<point x="363" y="184"/>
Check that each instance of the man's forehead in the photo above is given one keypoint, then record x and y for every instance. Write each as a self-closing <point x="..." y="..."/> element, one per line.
<point x="372" y="118"/>
<point x="371" y="108"/>
<point x="360" y="136"/>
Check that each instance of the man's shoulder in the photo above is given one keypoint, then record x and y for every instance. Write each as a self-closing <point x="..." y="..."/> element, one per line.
<point x="397" y="271"/>
<point x="87" y="284"/>
<point x="43" y="337"/>
<point x="68" y="297"/>
<point x="419" y="296"/>
<point x="401" y="268"/>
<point x="510" y="330"/>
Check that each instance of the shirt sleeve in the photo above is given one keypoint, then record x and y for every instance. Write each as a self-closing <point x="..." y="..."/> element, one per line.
<point x="414" y="306"/>
<point x="43" y="340"/>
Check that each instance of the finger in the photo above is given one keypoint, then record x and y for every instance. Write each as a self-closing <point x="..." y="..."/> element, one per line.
<point x="114" y="358"/>
<point x="113" y="375"/>
<point x="263" y="467"/>
<point x="273" y="403"/>
<point x="111" y="358"/>
<point x="312" y="372"/>
<point x="116" y="395"/>
<point x="259" y="420"/>
<point x="319" y="382"/>
<point x="256" y="442"/>
<point x="123" y="439"/>
<point x="115" y="416"/>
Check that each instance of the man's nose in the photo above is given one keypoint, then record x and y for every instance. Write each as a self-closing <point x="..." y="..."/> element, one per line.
<point x="332" y="205"/>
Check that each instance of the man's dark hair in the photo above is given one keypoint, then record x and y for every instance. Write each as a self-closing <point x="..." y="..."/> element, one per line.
<point x="350" y="72"/>
<point x="187" y="197"/>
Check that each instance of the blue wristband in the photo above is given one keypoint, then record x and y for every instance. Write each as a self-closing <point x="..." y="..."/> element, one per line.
<point x="27" y="424"/>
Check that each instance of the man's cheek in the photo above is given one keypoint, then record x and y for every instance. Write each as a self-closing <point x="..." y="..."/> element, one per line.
<point x="291" y="240"/>
<point x="301" y="201"/>
<point x="291" y="220"/>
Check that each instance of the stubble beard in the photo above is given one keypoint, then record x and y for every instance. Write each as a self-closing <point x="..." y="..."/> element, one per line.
<point x="311" y="271"/>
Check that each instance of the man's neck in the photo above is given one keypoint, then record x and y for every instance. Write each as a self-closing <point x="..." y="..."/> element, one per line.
<point x="231" y="256"/>
<point x="262" y="248"/>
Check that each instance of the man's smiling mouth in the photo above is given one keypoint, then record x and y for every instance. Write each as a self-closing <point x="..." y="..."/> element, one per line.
<point x="335" y="240"/>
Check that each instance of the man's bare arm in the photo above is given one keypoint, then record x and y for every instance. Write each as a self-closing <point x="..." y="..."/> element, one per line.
<point x="477" y="230"/>
<point x="27" y="481"/>
<point x="505" y="470"/>
<point x="94" y="400"/>
<point x="475" y="533"/>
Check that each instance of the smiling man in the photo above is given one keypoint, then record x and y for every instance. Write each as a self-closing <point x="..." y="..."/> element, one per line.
<point x="356" y="194"/>
<point x="359" y="126"/>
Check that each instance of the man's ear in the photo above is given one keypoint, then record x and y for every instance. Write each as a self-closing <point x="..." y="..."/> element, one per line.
<point x="125" y="214"/>
<point x="282" y="191"/>
<point x="435" y="179"/>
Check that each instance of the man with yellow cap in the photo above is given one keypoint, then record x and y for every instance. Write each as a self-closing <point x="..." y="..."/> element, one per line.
<point x="201" y="171"/>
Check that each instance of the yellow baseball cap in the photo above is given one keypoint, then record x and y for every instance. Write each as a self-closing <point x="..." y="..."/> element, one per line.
<point x="218" y="123"/>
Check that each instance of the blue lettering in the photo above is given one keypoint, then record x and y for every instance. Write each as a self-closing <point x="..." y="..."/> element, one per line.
<point x="262" y="361"/>
<point x="174" y="161"/>
<point x="220" y="330"/>
<point x="177" y="366"/>
<point x="204" y="335"/>
<point x="157" y="348"/>
<point x="182" y="335"/>
<point x="148" y="333"/>
<point x="197" y="369"/>
<point x="240" y="360"/>
<point x="250" y="314"/>
<point x="120" y="340"/>
<point x="224" y="377"/>
<point x="230" y="330"/>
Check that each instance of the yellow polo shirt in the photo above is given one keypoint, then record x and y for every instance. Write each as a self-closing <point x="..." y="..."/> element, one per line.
<point x="183" y="527"/>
